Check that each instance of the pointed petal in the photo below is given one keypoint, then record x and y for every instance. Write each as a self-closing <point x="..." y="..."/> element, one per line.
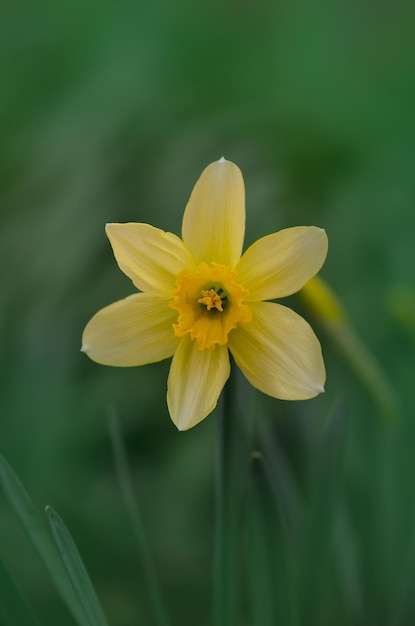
<point x="280" y="264"/>
<point x="195" y="382"/>
<point x="133" y="331"/>
<point x="149" y="256"/>
<point x="214" y="219"/>
<point x="279" y="353"/>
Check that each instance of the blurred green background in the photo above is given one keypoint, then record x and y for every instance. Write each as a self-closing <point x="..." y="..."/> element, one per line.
<point x="109" y="112"/>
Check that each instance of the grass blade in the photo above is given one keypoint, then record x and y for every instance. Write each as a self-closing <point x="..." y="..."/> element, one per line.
<point x="76" y="570"/>
<point x="318" y="531"/>
<point x="134" y="514"/>
<point x="271" y="560"/>
<point x="41" y="539"/>
<point x="14" y="608"/>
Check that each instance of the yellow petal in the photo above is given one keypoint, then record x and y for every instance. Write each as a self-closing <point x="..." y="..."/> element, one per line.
<point x="280" y="264"/>
<point x="133" y="331"/>
<point x="279" y="353"/>
<point x="195" y="381"/>
<point x="149" y="256"/>
<point x="214" y="219"/>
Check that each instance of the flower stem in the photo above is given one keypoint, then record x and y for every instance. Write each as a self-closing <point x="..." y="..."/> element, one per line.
<point x="228" y="512"/>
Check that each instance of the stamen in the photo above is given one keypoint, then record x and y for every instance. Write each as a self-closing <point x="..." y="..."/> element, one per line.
<point x="211" y="300"/>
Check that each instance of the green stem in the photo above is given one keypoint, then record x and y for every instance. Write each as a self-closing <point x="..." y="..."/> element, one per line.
<point x="228" y="509"/>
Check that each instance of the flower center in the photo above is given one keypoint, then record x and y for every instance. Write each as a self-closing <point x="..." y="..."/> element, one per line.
<point x="213" y="300"/>
<point x="210" y="304"/>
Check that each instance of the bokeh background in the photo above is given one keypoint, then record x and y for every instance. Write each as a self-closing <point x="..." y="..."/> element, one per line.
<point x="109" y="112"/>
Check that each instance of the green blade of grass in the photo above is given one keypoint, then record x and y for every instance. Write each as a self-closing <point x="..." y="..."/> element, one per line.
<point x="76" y="570"/>
<point x="270" y="568"/>
<point x="404" y="594"/>
<point x="41" y="539"/>
<point x="134" y="514"/>
<point x="15" y="610"/>
<point x="320" y="522"/>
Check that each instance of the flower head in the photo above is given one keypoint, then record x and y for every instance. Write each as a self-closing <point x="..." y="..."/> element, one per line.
<point x="201" y="298"/>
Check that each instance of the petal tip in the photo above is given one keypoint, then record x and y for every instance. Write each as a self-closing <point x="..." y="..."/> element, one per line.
<point x="321" y="389"/>
<point x="182" y="424"/>
<point x="111" y="225"/>
<point x="84" y="348"/>
<point x="222" y="159"/>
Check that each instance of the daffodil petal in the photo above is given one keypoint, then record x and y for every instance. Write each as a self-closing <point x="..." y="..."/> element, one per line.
<point x="278" y="265"/>
<point x="196" y="380"/>
<point x="133" y="331"/>
<point x="151" y="257"/>
<point x="214" y="219"/>
<point x="279" y="353"/>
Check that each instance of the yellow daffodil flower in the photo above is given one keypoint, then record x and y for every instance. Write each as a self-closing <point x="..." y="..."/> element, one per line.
<point x="201" y="298"/>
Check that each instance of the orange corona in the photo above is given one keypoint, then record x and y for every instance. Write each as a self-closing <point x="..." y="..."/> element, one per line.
<point x="210" y="304"/>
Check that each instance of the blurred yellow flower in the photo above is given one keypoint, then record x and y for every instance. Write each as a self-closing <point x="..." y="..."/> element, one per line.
<point x="201" y="299"/>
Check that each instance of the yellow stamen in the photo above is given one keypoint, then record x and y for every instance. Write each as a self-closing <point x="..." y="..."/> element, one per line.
<point x="211" y="300"/>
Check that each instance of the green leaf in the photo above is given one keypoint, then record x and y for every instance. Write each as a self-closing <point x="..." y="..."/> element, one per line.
<point x="41" y="539"/>
<point x="76" y="570"/>
<point x="14" y="608"/>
